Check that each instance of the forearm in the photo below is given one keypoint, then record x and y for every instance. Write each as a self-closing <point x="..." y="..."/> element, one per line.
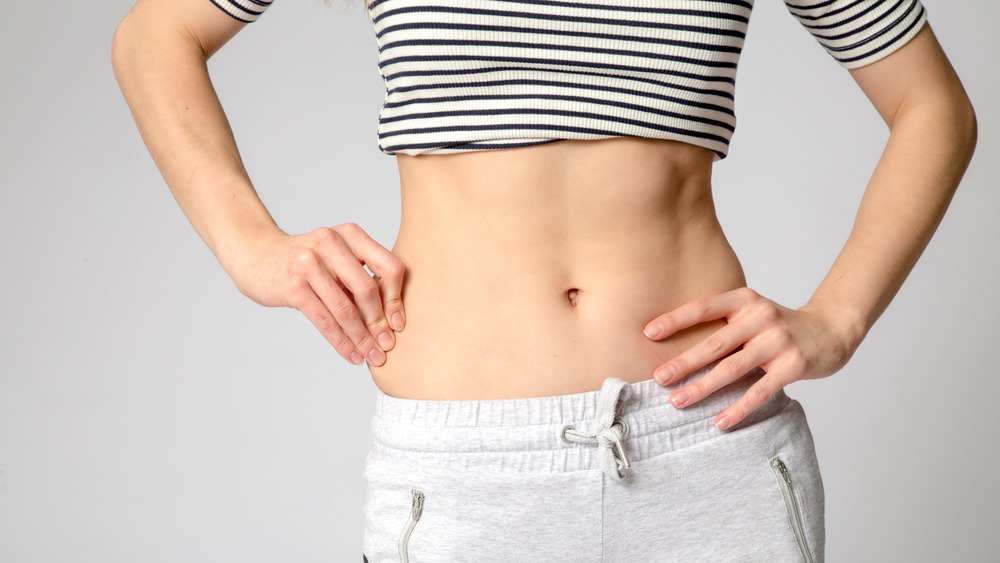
<point x="928" y="150"/>
<point x="162" y="72"/>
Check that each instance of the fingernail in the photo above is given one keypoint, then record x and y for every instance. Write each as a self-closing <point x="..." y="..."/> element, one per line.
<point x="679" y="398"/>
<point x="375" y="356"/>
<point x="722" y="422"/>
<point x="356" y="358"/>
<point x="385" y="340"/>
<point x="651" y="331"/>
<point x="397" y="321"/>
<point x="663" y="375"/>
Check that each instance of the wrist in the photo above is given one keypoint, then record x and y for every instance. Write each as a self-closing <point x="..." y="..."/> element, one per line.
<point x="849" y="325"/>
<point x="236" y="251"/>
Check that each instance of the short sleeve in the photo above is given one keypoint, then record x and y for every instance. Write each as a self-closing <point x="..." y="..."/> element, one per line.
<point x="859" y="32"/>
<point x="243" y="10"/>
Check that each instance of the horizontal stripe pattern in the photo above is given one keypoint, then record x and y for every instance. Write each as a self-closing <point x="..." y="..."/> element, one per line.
<point x="466" y="75"/>
<point x="243" y="10"/>
<point x="859" y="32"/>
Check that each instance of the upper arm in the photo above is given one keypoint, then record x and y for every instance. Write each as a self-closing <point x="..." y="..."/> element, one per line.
<point x="208" y="23"/>
<point x="917" y="74"/>
<point x="889" y="49"/>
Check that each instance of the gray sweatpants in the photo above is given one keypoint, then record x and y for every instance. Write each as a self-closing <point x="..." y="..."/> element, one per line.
<point x="612" y="475"/>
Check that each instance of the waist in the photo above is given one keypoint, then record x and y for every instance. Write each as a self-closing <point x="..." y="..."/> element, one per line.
<point x="526" y="434"/>
<point x="532" y="272"/>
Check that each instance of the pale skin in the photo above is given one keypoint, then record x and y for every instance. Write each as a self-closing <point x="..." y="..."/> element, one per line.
<point x="542" y="271"/>
<point x="919" y="96"/>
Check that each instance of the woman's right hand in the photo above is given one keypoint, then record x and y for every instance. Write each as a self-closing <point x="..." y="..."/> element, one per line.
<point x="322" y="273"/>
<point x="159" y="54"/>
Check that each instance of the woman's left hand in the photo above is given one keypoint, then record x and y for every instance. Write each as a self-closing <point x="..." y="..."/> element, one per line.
<point x="789" y="344"/>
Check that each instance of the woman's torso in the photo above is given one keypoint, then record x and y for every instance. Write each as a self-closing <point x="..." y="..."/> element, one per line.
<point x="532" y="272"/>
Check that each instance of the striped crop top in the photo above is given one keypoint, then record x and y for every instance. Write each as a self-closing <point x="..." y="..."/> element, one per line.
<point x="464" y="75"/>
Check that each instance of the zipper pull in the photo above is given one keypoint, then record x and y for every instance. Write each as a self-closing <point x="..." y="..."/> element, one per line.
<point x="418" y="505"/>
<point x="780" y="466"/>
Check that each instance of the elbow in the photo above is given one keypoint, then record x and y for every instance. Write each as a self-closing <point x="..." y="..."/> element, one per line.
<point x="145" y="43"/>
<point x="970" y="127"/>
<point x="964" y="128"/>
<point x="116" y="45"/>
<point x="122" y="45"/>
<point x="951" y="119"/>
<point x="964" y="134"/>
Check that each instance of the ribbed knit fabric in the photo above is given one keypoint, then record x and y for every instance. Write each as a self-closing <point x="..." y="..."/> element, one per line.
<point x="243" y="10"/>
<point x="859" y="32"/>
<point x="466" y="75"/>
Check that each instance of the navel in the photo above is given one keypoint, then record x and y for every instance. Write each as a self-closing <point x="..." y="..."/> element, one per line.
<point x="571" y="295"/>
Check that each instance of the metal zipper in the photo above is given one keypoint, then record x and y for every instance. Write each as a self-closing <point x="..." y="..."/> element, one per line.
<point x="416" y="509"/>
<point x="794" y="517"/>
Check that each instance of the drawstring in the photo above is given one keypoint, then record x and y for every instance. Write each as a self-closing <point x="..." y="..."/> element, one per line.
<point x="609" y="430"/>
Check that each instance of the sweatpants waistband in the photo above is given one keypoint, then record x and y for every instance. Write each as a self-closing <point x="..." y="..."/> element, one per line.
<point x="527" y="434"/>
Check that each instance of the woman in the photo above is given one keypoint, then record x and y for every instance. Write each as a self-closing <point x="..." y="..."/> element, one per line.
<point x="583" y="374"/>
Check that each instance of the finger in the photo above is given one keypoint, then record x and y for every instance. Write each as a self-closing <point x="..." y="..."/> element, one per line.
<point x="387" y="268"/>
<point x="366" y="296"/>
<point x="717" y="345"/>
<point x="343" y="265"/>
<point x="391" y="287"/>
<point x="389" y="273"/>
<point x="728" y="370"/>
<point x="343" y="310"/>
<point x="317" y="313"/>
<point x="696" y="312"/>
<point x="758" y="393"/>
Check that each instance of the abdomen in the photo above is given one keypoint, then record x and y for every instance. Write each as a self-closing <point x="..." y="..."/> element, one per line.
<point x="532" y="272"/>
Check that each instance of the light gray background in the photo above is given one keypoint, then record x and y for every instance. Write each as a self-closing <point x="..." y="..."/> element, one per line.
<point x="149" y="412"/>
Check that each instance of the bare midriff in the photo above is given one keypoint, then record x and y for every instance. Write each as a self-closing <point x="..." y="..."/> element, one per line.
<point x="532" y="272"/>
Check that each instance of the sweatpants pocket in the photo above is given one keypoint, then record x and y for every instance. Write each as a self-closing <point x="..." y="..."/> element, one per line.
<point x="792" y="506"/>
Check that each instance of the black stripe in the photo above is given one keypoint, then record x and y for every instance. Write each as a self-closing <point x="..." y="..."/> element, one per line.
<point x="855" y="17"/>
<point x="533" y="111"/>
<point x="421" y="146"/>
<point x="243" y="9"/>
<point x="562" y="18"/>
<point x="813" y="6"/>
<point x="490" y="145"/>
<point x="854" y="30"/>
<point x="623" y="105"/>
<point x="543" y="47"/>
<point x="555" y="83"/>
<point x="703" y="91"/>
<point x="557" y="32"/>
<point x="830" y="13"/>
<point x="560" y="62"/>
<point x="741" y="3"/>
<point x="639" y="9"/>
<point x="888" y="44"/>
<point x="230" y="14"/>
